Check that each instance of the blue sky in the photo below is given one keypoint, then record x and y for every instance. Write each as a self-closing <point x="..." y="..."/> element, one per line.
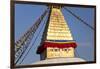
<point x="26" y="15"/>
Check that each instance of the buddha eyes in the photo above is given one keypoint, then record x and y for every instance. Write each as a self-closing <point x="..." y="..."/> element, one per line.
<point x="56" y="50"/>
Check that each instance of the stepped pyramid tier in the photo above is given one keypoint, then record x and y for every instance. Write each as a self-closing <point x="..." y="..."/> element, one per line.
<point x="58" y="40"/>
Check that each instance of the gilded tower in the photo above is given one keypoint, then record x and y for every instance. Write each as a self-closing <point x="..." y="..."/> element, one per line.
<point x="59" y="41"/>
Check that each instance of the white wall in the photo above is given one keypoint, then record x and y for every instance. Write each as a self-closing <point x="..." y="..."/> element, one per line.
<point x="5" y="34"/>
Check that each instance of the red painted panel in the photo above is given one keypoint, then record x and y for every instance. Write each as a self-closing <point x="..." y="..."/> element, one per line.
<point x="57" y="45"/>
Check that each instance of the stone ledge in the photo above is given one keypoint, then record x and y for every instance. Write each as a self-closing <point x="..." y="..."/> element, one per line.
<point x="59" y="60"/>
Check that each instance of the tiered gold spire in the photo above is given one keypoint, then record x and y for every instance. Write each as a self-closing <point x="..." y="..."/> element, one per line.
<point x="58" y="28"/>
<point x="59" y="41"/>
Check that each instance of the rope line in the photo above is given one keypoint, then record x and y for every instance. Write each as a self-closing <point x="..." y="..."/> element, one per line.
<point x="33" y="43"/>
<point x="23" y="50"/>
<point x="79" y="18"/>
